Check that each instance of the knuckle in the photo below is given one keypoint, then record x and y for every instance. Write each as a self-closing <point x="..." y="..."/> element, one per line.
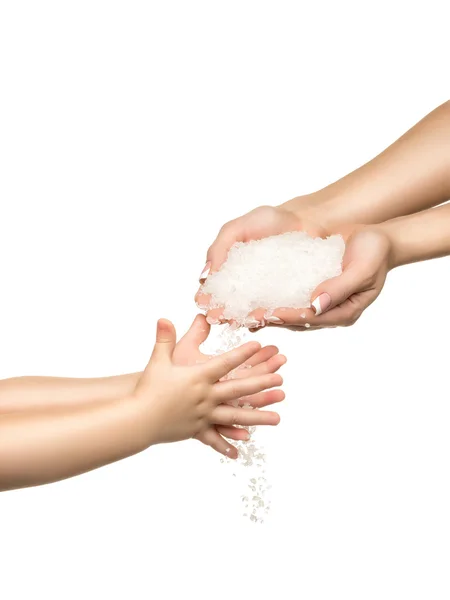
<point x="368" y="280"/>
<point x="234" y="391"/>
<point x="225" y="228"/>
<point x="235" y="418"/>
<point x="351" y="320"/>
<point x="226" y="362"/>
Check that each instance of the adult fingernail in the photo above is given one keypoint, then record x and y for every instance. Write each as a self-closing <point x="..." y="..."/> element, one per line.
<point x="275" y="320"/>
<point x="252" y="323"/>
<point x="212" y="321"/>
<point x="321" y="303"/>
<point x="205" y="272"/>
<point x="246" y="436"/>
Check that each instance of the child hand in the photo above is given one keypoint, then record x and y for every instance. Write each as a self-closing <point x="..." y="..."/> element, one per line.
<point x="181" y="402"/>
<point x="266" y="360"/>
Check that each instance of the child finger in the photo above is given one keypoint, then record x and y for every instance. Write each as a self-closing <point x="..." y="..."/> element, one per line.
<point x="220" y="366"/>
<point x="233" y="433"/>
<point x="212" y="438"/>
<point x="263" y="399"/>
<point x="229" y="415"/>
<point x="234" y="389"/>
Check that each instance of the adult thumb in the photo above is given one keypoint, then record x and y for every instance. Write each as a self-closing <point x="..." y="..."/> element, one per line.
<point x="218" y="251"/>
<point x="166" y="338"/>
<point x="335" y="291"/>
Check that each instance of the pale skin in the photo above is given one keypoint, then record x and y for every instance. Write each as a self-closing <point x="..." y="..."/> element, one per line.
<point x="51" y="429"/>
<point x="384" y="210"/>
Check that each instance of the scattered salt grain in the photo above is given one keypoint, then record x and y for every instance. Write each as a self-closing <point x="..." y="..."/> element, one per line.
<point x="251" y="462"/>
<point x="280" y="271"/>
<point x="307" y="325"/>
<point x="277" y="271"/>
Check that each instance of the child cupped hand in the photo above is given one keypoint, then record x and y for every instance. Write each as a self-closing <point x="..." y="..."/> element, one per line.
<point x="56" y="428"/>
<point x="185" y="393"/>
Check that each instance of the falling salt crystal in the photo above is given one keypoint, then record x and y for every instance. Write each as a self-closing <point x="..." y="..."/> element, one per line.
<point x="249" y="279"/>
<point x="307" y="325"/>
<point x="251" y="456"/>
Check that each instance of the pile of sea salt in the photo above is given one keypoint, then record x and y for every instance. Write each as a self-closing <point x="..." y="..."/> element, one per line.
<point x="280" y="271"/>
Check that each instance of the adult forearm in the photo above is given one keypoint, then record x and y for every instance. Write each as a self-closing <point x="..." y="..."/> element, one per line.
<point x="411" y="175"/>
<point x="419" y="237"/>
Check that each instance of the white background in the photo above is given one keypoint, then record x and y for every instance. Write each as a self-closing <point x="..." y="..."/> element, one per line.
<point x="129" y="133"/>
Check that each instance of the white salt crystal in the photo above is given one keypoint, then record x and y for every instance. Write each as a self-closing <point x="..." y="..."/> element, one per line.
<point x="251" y="456"/>
<point x="280" y="271"/>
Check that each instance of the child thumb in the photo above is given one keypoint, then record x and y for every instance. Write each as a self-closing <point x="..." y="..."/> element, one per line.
<point x="166" y="339"/>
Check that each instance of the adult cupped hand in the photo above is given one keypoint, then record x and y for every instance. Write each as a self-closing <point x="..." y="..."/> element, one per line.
<point x="257" y="224"/>
<point x="340" y="301"/>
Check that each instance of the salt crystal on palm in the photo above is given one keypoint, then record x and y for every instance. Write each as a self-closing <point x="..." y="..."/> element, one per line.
<point x="280" y="271"/>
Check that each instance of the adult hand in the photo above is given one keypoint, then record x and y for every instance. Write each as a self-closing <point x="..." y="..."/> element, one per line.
<point x="340" y="301"/>
<point x="259" y="223"/>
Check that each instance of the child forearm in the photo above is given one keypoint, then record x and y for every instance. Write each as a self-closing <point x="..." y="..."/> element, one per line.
<point x="42" y="446"/>
<point x="411" y="175"/>
<point x="24" y="393"/>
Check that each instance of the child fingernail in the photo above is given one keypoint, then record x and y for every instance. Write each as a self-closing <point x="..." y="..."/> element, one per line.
<point x="275" y="320"/>
<point x="205" y="272"/>
<point x="321" y="303"/>
<point x="212" y="321"/>
<point x="230" y="453"/>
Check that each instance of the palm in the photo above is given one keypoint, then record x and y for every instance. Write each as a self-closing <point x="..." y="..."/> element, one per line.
<point x="365" y="266"/>
<point x="364" y="269"/>
<point x="187" y="354"/>
<point x="261" y="222"/>
<point x="369" y="252"/>
<point x="267" y="360"/>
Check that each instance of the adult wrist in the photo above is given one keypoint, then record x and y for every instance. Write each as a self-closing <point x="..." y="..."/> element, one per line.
<point x="318" y="208"/>
<point x="399" y="251"/>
